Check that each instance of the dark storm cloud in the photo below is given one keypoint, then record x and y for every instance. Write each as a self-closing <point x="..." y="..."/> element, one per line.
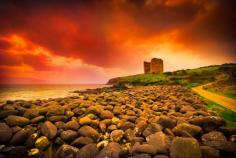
<point x="79" y="29"/>
<point x="217" y="25"/>
<point x="157" y="17"/>
<point x="68" y="29"/>
<point x="38" y="62"/>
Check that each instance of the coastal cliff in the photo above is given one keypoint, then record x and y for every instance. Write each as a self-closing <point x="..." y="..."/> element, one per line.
<point x="113" y="81"/>
<point x="188" y="77"/>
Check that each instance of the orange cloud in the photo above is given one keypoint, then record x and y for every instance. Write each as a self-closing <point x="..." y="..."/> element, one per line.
<point x="36" y="64"/>
<point x="92" y="41"/>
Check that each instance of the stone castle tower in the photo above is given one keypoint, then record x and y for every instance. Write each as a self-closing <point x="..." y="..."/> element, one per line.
<point x="147" y="66"/>
<point x="155" y="66"/>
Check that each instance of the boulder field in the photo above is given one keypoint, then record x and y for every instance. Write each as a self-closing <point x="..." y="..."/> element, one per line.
<point x="160" y="121"/>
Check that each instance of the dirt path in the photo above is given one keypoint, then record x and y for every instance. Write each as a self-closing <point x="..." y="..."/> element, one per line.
<point x="219" y="99"/>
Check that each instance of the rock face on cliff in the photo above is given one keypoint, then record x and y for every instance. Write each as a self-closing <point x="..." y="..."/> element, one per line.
<point x="113" y="81"/>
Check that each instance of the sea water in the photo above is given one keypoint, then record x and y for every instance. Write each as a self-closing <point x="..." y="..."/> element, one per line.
<point x="42" y="91"/>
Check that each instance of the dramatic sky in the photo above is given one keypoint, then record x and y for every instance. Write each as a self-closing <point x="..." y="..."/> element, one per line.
<point x="90" y="41"/>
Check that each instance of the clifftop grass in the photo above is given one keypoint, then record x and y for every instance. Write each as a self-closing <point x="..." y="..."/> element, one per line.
<point x="189" y="77"/>
<point x="228" y="115"/>
<point x="223" y="87"/>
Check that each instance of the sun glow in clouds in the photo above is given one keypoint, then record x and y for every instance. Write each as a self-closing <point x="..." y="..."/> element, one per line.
<point x="91" y="41"/>
<point x="58" y="69"/>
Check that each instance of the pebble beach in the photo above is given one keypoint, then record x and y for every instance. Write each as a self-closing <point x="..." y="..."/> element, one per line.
<point x="159" y="121"/>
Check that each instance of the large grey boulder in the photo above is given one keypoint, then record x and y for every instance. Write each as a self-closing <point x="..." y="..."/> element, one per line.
<point x="88" y="131"/>
<point x="159" y="141"/>
<point x="183" y="128"/>
<point x="185" y="148"/>
<point x="68" y="135"/>
<point x="49" y="130"/>
<point x="66" y="151"/>
<point x="112" y="150"/>
<point x="20" y="137"/>
<point x="5" y="133"/>
<point x="14" y="120"/>
<point x="88" y="151"/>
<point x="209" y="152"/>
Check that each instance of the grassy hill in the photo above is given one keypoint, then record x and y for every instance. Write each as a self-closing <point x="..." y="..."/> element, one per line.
<point x="223" y="87"/>
<point x="188" y="77"/>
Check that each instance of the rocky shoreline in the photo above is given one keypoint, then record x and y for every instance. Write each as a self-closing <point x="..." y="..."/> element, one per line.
<point x="140" y="122"/>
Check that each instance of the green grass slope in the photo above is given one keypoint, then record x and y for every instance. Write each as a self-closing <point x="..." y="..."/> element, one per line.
<point x="228" y="115"/>
<point x="223" y="87"/>
<point x="189" y="77"/>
